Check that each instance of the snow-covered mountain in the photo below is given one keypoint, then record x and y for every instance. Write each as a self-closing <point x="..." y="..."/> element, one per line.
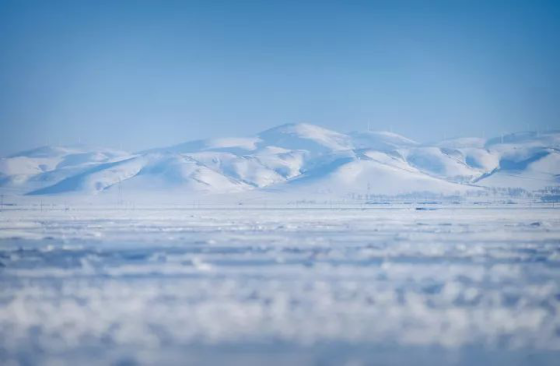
<point x="299" y="160"/>
<point x="45" y="166"/>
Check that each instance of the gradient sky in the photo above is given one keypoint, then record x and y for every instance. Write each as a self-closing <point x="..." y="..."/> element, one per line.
<point x="140" y="74"/>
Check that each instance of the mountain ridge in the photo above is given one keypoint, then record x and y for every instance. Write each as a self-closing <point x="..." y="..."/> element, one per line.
<point x="295" y="160"/>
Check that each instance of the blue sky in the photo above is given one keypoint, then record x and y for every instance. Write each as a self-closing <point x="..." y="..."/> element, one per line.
<point x="140" y="74"/>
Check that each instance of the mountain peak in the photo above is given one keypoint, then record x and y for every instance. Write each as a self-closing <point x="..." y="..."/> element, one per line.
<point x="306" y="136"/>
<point x="381" y="140"/>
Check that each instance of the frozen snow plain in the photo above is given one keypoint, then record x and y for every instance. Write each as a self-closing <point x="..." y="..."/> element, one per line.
<point x="454" y="285"/>
<point x="308" y="286"/>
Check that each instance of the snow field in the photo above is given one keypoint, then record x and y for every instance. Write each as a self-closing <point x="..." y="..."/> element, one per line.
<point x="164" y="285"/>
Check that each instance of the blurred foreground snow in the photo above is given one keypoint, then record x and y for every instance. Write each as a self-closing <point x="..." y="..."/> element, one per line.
<point x="322" y="286"/>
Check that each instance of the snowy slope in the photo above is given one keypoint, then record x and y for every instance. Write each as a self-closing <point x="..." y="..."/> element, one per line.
<point x="450" y="164"/>
<point x="380" y="140"/>
<point x="313" y="139"/>
<point x="235" y="145"/>
<point x="160" y="172"/>
<point x="259" y="170"/>
<point x="292" y="159"/>
<point x="48" y="165"/>
<point x="527" y="160"/>
<point x="366" y="172"/>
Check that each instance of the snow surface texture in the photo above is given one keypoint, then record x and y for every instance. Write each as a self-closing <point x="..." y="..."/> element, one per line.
<point x="394" y="285"/>
<point x="293" y="161"/>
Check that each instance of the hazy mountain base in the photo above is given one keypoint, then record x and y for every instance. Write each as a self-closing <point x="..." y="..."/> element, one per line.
<point x="119" y="199"/>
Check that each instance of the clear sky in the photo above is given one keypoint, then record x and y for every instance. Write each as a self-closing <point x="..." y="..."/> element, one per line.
<point x="141" y="74"/>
